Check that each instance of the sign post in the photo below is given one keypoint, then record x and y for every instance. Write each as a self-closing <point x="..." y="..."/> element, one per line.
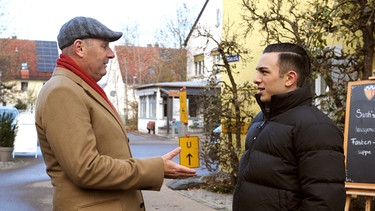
<point x="183" y="106"/>
<point x="183" y="111"/>
<point x="189" y="155"/>
<point x="173" y="94"/>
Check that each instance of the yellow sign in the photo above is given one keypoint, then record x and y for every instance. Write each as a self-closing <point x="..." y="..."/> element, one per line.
<point x="183" y="106"/>
<point x="189" y="155"/>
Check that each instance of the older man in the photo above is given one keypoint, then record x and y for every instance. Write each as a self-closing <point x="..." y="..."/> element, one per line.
<point x="83" y="140"/>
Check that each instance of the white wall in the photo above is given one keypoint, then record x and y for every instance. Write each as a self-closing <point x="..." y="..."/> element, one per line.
<point x="114" y="87"/>
<point x="210" y="21"/>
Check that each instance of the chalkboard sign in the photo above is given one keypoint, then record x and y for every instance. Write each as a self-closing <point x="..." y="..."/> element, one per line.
<point x="359" y="136"/>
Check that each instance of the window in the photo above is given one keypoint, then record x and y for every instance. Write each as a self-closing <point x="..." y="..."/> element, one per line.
<point x="24" y="66"/>
<point x="331" y="57"/>
<point x="24" y="86"/>
<point x="199" y="68"/>
<point x="165" y="107"/>
<point x="199" y="64"/>
<point x="216" y="60"/>
<point x="152" y="100"/>
<point x="218" y="18"/>
<point x="143" y="104"/>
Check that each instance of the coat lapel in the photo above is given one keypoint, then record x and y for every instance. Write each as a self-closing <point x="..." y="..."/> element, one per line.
<point x="91" y="92"/>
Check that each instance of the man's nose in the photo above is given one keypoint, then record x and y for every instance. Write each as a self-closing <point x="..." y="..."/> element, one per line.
<point x="110" y="54"/>
<point x="256" y="78"/>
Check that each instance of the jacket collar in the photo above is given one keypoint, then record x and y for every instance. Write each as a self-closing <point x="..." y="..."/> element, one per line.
<point x="88" y="89"/>
<point x="283" y="102"/>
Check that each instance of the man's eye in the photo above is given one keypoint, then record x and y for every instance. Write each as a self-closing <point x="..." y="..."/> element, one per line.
<point x="262" y="71"/>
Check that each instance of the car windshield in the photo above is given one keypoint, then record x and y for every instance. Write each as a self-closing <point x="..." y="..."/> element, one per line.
<point x="8" y="111"/>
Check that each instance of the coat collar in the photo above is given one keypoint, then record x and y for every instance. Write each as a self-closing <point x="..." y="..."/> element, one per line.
<point x="89" y="90"/>
<point x="283" y="102"/>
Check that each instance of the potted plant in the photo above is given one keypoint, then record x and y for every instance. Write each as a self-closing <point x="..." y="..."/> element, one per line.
<point x="8" y="130"/>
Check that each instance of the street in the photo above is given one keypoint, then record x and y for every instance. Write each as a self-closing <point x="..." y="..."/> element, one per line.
<point x="27" y="186"/>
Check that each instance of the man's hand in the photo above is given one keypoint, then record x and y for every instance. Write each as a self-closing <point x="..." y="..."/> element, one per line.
<point x="174" y="170"/>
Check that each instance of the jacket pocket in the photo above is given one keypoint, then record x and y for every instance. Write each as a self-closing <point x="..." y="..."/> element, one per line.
<point x="113" y="204"/>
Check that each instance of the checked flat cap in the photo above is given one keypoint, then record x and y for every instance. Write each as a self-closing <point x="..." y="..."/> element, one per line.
<point x="82" y="28"/>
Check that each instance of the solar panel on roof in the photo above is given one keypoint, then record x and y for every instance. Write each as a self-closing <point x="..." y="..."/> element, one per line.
<point x="47" y="53"/>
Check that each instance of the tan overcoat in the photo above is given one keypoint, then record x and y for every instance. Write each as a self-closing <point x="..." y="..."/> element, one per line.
<point x="85" y="147"/>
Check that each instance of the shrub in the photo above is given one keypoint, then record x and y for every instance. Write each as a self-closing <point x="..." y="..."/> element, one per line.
<point x="7" y="130"/>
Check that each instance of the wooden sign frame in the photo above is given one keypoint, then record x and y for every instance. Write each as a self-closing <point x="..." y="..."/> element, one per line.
<point x="360" y="185"/>
<point x="366" y="189"/>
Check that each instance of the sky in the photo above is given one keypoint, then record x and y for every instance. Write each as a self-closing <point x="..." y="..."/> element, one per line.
<point x="42" y="19"/>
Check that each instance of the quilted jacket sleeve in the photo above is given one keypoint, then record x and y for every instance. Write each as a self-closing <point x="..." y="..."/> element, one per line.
<point x="321" y="167"/>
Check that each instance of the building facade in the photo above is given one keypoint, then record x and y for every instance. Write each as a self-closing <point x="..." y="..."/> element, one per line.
<point x="25" y="65"/>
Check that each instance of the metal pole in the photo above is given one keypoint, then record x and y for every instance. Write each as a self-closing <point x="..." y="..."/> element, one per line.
<point x="126" y="93"/>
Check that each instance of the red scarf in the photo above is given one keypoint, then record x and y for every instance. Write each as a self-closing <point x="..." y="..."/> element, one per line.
<point x="66" y="62"/>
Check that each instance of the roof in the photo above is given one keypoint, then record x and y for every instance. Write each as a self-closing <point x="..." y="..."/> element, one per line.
<point x="192" y="87"/>
<point x="40" y="57"/>
<point x="178" y="84"/>
<point x="47" y="53"/>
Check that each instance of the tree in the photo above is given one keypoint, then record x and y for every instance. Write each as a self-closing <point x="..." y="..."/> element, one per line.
<point x="13" y="54"/>
<point x="349" y="22"/>
<point x="172" y="36"/>
<point x="175" y="30"/>
<point x="135" y="61"/>
<point x="131" y="34"/>
<point x="3" y="24"/>
<point x="150" y="64"/>
<point x="354" y="23"/>
<point x="171" y="65"/>
<point x="231" y="106"/>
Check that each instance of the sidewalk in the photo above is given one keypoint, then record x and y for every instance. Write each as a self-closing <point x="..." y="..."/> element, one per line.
<point x="186" y="200"/>
<point x="182" y="200"/>
<point x="165" y="199"/>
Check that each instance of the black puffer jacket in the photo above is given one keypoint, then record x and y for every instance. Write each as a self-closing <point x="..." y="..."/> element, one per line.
<point x="293" y="160"/>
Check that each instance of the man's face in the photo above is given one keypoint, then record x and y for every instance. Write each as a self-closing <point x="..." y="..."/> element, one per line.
<point x="268" y="79"/>
<point x="96" y="57"/>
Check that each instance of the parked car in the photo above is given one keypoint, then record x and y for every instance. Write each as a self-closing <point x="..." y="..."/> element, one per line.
<point x="26" y="138"/>
<point x="8" y="110"/>
<point x="215" y="136"/>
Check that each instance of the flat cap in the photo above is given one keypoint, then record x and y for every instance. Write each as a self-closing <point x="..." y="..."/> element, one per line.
<point x="82" y="28"/>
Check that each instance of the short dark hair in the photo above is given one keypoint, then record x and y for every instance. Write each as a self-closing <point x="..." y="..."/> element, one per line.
<point x="292" y="56"/>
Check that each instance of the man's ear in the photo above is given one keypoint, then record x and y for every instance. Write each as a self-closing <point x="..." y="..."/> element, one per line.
<point x="291" y="78"/>
<point x="78" y="47"/>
